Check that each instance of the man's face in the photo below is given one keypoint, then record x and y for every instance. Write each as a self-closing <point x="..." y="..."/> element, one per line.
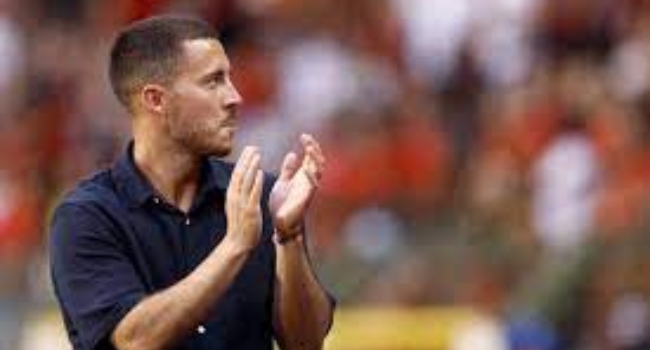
<point x="203" y="102"/>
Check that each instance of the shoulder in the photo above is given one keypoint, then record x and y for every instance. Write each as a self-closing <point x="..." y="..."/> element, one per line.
<point x="92" y="206"/>
<point x="97" y="188"/>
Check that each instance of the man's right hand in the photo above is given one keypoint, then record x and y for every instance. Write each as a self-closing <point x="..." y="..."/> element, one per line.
<point x="243" y="201"/>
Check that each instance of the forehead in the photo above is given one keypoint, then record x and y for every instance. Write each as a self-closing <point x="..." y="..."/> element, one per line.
<point x="202" y="56"/>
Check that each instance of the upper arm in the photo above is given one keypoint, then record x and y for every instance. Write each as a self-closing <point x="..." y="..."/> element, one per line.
<point x="95" y="281"/>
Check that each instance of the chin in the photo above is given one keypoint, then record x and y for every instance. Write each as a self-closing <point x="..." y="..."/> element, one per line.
<point x="212" y="145"/>
<point x="221" y="153"/>
<point x="218" y="150"/>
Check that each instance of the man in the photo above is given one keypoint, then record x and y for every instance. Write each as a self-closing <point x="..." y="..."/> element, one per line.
<point x="171" y="249"/>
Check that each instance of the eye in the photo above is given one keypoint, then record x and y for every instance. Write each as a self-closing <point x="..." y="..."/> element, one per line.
<point x="215" y="79"/>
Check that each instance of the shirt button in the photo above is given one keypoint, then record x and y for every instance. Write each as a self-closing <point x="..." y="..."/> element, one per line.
<point x="188" y="221"/>
<point x="201" y="329"/>
<point x="156" y="200"/>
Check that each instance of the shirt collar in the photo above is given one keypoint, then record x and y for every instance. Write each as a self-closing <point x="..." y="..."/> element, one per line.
<point x="215" y="177"/>
<point x="135" y="187"/>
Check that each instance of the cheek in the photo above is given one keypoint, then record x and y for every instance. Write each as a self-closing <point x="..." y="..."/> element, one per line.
<point x="194" y="123"/>
<point x="194" y="112"/>
<point x="193" y="105"/>
<point x="192" y="99"/>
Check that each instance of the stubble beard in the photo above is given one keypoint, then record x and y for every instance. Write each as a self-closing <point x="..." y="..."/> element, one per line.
<point x="202" y="140"/>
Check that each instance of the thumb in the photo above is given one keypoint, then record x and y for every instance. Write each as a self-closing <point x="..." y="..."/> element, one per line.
<point x="289" y="166"/>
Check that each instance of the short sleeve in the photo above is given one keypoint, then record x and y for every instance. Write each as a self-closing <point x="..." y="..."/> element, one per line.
<point x="94" y="279"/>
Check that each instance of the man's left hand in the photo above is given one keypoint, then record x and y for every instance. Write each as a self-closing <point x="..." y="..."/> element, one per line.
<point x="293" y="191"/>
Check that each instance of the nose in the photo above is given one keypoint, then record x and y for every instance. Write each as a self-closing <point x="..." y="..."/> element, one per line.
<point x="233" y="98"/>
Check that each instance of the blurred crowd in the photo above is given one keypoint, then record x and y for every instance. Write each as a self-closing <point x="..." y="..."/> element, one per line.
<point x="484" y="153"/>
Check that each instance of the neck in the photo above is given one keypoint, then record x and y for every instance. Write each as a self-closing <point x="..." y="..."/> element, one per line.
<point x="172" y="171"/>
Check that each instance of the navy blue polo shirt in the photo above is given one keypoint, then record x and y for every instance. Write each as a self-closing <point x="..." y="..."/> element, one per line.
<point x="114" y="241"/>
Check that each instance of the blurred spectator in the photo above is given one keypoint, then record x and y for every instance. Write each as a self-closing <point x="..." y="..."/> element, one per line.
<point x="12" y="62"/>
<point x="564" y="180"/>
<point x="629" y="322"/>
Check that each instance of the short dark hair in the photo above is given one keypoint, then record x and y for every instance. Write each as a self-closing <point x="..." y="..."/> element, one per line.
<point x="148" y="51"/>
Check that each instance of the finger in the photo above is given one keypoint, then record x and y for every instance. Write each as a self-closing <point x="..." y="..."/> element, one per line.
<point x="311" y="164"/>
<point x="240" y="168"/>
<point x="309" y="141"/>
<point x="251" y="171"/>
<point x="319" y="158"/>
<point x="312" y="148"/>
<point x="256" y="192"/>
<point x="313" y="180"/>
<point x="306" y="138"/>
<point x="289" y="166"/>
<point x="310" y="169"/>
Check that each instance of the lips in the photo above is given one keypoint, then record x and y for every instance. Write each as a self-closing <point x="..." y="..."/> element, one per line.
<point x="229" y="124"/>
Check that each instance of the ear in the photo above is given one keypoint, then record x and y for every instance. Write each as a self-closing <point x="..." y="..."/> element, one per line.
<point x="153" y="98"/>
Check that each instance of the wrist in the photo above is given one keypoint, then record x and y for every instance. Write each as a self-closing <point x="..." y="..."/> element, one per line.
<point x="284" y="238"/>
<point x="235" y="247"/>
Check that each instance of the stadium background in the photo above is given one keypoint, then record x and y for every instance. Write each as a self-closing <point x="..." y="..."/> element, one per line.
<point x="489" y="160"/>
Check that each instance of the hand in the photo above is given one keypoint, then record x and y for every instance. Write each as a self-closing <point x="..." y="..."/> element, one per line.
<point x="243" y="200"/>
<point x="295" y="187"/>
